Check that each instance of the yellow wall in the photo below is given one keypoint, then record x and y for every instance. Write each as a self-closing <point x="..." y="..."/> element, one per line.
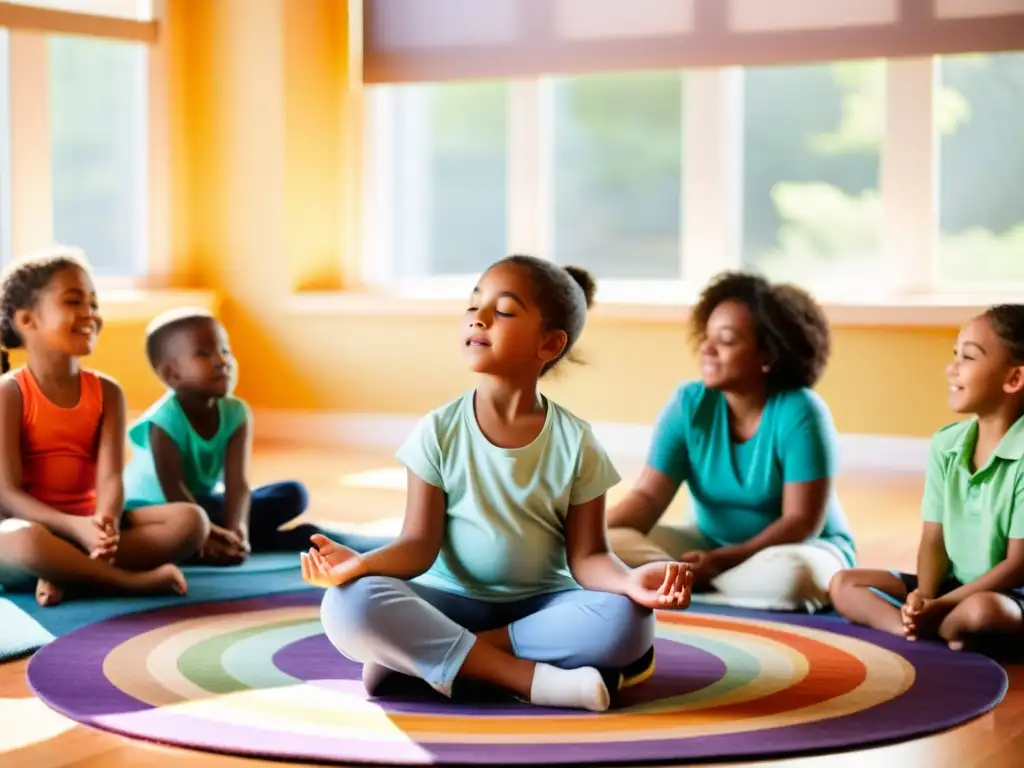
<point x="266" y="142"/>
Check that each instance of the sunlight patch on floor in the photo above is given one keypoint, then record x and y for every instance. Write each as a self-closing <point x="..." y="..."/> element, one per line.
<point x="29" y="721"/>
<point x="387" y="526"/>
<point x="382" y="479"/>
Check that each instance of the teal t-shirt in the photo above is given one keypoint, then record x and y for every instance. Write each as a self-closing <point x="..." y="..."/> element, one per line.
<point x="504" y="535"/>
<point x="737" y="487"/>
<point x="980" y="511"/>
<point x="202" y="460"/>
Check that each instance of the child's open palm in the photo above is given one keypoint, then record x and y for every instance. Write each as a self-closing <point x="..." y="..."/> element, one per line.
<point x="661" y="585"/>
<point x="329" y="564"/>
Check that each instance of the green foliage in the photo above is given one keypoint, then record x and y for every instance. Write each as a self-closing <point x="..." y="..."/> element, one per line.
<point x="823" y="222"/>
<point x="468" y="140"/>
<point x="860" y="131"/>
<point x="468" y="117"/>
<point x="980" y="254"/>
<point x="811" y="156"/>
<point x="862" y="127"/>
<point x="617" y="161"/>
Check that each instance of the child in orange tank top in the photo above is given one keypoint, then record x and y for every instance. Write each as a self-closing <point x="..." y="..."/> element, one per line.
<point x="62" y="523"/>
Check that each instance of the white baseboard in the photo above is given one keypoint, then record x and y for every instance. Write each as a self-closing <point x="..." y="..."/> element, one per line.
<point x="857" y="452"/>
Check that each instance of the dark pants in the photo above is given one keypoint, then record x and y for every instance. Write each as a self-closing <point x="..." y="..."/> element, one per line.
<point x="272" y="506"/>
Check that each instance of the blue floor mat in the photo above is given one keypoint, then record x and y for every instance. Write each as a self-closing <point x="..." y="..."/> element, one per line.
<point x="25" y="627"/>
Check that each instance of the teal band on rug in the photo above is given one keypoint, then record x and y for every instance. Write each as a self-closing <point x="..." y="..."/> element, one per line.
<point x="26" y="627"/>
<point x="19" y="633"/>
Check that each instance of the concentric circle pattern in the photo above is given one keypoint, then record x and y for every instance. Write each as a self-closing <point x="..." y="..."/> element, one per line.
<point x="258" y="677"/>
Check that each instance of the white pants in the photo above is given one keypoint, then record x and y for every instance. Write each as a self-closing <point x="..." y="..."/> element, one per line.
<point x="788" y="577"/>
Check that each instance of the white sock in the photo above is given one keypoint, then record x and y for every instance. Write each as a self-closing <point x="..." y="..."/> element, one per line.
<point x="581" y="688"/>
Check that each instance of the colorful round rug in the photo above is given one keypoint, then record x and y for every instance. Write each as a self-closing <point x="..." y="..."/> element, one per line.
<point x="258" y="677"/>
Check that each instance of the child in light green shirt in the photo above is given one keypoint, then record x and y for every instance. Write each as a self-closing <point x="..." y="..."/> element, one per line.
<point x="970" y="564"/>
<point x="502" y="573"/>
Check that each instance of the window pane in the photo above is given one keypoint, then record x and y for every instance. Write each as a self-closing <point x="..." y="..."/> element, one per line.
<point x="617" y="174"/>
<point x="811" y="149"/>
<point x="5" y="148"/>
<point x="979" y="112"/>
<point x="98" y="134"/>
<point x="450" y="178"/>
<point x="140" y="10"/>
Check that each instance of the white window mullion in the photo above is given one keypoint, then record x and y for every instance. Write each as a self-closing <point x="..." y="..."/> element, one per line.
<point x="530" y="157"/>
<point x="712" y="173"/>
<point x="31" y="182"/>
<point x="909" y="175"/>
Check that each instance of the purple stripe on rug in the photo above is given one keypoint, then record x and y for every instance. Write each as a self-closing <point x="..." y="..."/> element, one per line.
<point x="680" y="669"/>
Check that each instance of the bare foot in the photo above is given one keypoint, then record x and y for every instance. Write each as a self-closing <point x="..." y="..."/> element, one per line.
<point x="48" y="594"/>
<point x="166" y="578"/>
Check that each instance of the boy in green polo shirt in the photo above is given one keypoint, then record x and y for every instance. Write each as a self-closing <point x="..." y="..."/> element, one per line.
<point x="970" y="561"/>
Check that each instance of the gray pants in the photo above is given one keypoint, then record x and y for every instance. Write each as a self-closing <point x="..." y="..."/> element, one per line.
<point x="428" y="633"/>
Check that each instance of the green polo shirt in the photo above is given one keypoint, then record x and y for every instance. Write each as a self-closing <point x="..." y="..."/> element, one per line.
<point x="979" y="511"/>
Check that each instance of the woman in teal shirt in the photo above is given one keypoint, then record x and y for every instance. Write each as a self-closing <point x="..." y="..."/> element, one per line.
<point x="757" y="451"/>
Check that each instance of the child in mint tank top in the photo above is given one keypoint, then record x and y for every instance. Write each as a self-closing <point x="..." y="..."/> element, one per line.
<point x="198" y="436"/>
<point x="64" y="529"/>
<point x="969" y="585"/>
<point x="502" y="573"/>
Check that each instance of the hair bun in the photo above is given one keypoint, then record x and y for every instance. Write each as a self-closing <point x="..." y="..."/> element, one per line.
<point x="586" y="281"/>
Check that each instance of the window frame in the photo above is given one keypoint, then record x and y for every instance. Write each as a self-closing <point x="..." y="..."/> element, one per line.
<point x="712" y="199"/>
<point x="26" y="195"/>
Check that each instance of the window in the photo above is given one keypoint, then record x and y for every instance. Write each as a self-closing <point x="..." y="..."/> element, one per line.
<point x="141" y="10"/>
<point x="76" y="119"/>
<point x="979" y="115"/>
<point x="5" y="148"/>
<point x="618" y="174"/>
<point x="811" y="150"/>
<point x="97" y="138"/>
<point x="446" y="170"/>
<point x="864" y="181"/>
<point x="448" y="185"/>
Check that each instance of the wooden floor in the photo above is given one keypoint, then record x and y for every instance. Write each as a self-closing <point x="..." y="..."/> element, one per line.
<point x="365" y="490"/>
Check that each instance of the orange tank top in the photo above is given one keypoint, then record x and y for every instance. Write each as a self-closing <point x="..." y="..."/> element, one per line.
<point x="59" y="446"/>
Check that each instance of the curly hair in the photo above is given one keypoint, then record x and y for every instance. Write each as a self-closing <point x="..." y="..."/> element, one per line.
<point x="563" y="295"/>
<point x="21" y="284"/>
<point x="790" y="326"/>
<point x="1007" y="322"/>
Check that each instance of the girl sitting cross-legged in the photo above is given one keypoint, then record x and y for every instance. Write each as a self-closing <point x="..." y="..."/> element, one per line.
<point x="62" y="519"/>
<point x="502" y="573"/>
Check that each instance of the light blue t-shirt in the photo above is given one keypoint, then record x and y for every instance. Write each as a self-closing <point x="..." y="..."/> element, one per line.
<point x="504" y="535"/>
<point x="202" y="460"/>
<point x="737" y="487"/>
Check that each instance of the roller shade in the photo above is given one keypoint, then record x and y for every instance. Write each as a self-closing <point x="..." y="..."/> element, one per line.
<point x="426" y="40"/>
